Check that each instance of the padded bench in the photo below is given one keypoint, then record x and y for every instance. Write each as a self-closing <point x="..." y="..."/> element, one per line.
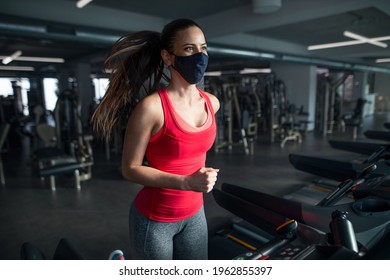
<point x="52" y="171"/>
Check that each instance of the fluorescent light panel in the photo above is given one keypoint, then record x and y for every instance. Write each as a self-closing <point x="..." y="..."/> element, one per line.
<point x="41" y="59"/>
<point x="8" y="59"/>
<point x="82" y="3"/>
<point x="333" y="45"/>
<point x="382" y="60"/>
<point x="243" y="71"/>
<point x="345" y="43"/>
<point x="38" y="59"/>
<point x="213" y="73"/>
<point x="255" y="70"/>
<point x="240" y="52"/>
<point x="17" y="68"/>
<point x="364" y="39"/>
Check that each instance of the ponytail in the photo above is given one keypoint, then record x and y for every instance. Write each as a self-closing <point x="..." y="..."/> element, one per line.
<point x="136" y="65"/>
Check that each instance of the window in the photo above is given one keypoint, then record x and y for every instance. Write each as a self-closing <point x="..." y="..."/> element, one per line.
<point x="6" y="89"/>
<point x="50" y="89"/>
<point x="101" y="85"/>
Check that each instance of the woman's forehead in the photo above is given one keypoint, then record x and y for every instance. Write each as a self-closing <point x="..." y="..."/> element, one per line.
<point x="191" y="35"/>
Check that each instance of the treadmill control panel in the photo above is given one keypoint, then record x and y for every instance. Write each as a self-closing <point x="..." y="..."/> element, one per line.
<point x="289" y="252"/>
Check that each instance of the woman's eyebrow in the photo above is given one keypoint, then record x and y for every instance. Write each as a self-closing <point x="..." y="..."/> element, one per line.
<point x="193" y="44"/>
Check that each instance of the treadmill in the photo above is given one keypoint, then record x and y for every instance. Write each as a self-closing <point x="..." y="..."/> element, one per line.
<point x="360" y="147"/>
<point x="355" y="230"/>
<point x="378" y="135"/>
<point x="343" y="170"/>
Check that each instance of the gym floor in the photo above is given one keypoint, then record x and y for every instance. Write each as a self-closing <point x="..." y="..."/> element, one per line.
<point x="94" y="218"/>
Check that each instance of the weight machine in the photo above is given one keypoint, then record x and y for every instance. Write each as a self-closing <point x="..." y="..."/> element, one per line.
<point x="281" y="114"/>
<point x="239" y="114"/>
<point x="328" y="104"/>
<point x="71" y="151"/>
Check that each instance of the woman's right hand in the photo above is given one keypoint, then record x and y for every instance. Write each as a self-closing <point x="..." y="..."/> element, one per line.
<point x="202" y="180"/>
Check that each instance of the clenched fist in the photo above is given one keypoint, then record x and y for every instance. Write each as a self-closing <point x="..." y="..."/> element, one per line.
<point x="202" y="180"/>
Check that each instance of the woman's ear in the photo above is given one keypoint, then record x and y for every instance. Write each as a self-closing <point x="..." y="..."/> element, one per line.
<point x="166" y="57"/>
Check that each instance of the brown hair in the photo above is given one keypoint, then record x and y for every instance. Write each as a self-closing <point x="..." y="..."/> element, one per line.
<point x="136" y="65"/>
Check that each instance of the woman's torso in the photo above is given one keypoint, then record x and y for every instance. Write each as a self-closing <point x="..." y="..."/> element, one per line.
<point x="177" y="148"/>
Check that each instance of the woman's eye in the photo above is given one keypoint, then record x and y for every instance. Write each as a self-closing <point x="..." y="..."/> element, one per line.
<point x="189" y="49"/>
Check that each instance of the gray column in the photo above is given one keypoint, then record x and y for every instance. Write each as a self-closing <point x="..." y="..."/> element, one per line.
<point x="84" y="89"/>
<point x="300" y="81"/>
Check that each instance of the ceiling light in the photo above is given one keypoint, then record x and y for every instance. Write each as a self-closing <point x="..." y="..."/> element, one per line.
<point x="364" y="39"/>
<point x="255" y="70"/>
<point x="8" y="59"/>
<point x="227" y="51"/>
<point x="17" y="68"/>
<point x="382" y="60"/>
<point x="213" y="73"/>
<point x="38" y="59"/>
<point x="41" y="59"/>
<point x="81" y="3"/>
<point x="334" y="45"/>
<point x="348" y="43"/>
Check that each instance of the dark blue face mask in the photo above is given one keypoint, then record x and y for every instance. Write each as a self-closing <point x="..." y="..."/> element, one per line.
<point x="192" y="67"/>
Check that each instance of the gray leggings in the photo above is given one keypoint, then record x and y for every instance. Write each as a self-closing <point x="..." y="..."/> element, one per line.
<point x="182" y="240"/>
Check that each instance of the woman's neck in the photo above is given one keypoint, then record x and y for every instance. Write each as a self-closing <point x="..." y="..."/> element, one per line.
<point x="183" y="90"/>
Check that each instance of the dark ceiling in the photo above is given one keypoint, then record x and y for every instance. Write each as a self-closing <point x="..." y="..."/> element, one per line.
<point x="57" y="28"/>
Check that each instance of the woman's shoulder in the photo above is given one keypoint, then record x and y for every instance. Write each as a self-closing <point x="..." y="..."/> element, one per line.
<point x="152" y="99"/>
<point x="213" y="99"/>
<point x="150" y="105"/>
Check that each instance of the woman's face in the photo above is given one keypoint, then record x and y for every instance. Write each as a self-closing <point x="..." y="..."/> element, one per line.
<point x="189" y="41"/>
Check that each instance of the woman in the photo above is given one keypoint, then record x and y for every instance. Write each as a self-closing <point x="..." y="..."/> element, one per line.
<point x="173" y="127"/>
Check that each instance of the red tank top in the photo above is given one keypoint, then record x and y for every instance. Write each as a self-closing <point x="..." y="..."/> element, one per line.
<point x="178" y="151"/>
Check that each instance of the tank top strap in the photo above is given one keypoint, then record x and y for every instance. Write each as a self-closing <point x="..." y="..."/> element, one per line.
<point x="208" y="103"/>
<point x="165" y="105"/>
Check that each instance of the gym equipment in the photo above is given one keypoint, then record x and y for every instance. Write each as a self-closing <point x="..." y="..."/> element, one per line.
<point x="325" y="168"/>
<point x="336" y="231"/>
<point x="328" y="103"/>
<point x="275" y="96"/>
<point x="376" y="163"/>
<point x="355" y="119"/>
<point x="72" y="150"/>
<point x="377" y="134"/>
<point x="286" y="232"/>
<point x="239" y="114"/>
<point x="341" y="170"/>
<point x="289" y="125"/>
<point x="237" y="239"/>
<point x="365" y="148"/>
<point x="280" y="113"/>
<point x="346" y="186"/>
<point x="4" y="129"/>
<point x="248" y="101"/>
